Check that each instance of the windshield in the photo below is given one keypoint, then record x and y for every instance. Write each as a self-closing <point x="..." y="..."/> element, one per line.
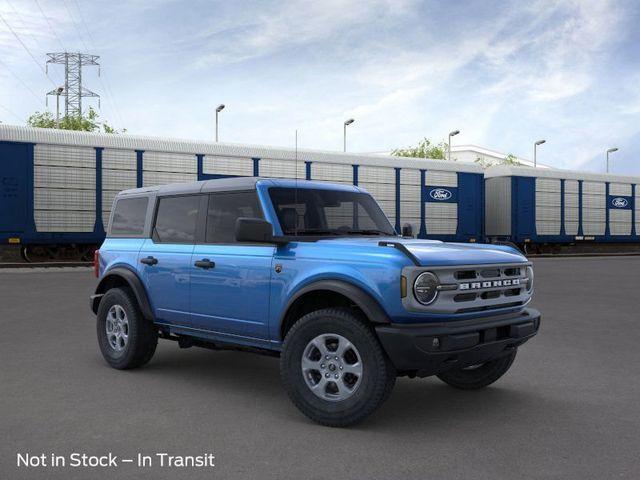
<point x="328" y="212"/>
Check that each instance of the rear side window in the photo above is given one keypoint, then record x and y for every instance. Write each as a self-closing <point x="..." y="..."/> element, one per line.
<point x="128" y="216"/>
<point x="176" y="219"/>
<point x="225" y="209"/>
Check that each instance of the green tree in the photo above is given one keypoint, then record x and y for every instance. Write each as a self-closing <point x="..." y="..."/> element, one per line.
<point x="424" y="149"/>
<point x="510" y="159"/>
<point x="86" y="123"/>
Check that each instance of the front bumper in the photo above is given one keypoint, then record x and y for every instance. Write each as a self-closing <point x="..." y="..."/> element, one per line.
<point x="428" y="349"/>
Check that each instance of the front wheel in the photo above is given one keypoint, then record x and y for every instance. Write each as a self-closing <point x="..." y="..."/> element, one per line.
<point x="478" y="376"/>
<point x="334" y="369"/>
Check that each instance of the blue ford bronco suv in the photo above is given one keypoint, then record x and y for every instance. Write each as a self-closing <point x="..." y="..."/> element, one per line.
<point x="314" y="273"/>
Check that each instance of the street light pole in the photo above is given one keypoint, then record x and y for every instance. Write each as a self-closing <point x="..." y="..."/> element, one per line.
<point x="535" y="152"/>
<point x="59" y="90"/>
<point x="219" y="108"/>
<point x="344" y="133"/>
<point x="451" y="134"/>
<point x="611" y="150"/>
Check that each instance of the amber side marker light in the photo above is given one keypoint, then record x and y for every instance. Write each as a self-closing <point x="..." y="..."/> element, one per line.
<point x="403" y="286"/>
<point x="14" y="240"/>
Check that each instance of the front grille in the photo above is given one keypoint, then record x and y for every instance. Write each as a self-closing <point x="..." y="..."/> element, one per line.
<point x="475" y="289"/>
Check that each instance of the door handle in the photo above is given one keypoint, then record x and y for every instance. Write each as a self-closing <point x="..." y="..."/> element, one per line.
<point x="205" y="263"/>
<point x="149" y="260"/>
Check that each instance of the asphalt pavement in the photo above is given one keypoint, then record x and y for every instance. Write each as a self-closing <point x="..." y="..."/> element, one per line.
<point x="568" y="408"/>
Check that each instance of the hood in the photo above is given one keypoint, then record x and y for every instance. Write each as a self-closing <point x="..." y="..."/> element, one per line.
<point x="437" y="253"/>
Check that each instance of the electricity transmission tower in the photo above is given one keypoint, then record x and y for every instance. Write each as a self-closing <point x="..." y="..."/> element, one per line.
<point x="73" y="90"/>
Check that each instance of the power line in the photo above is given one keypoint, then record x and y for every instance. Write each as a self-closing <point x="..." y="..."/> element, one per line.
<point x="75" y="26"/>
<point x="14" y="114"/>
<point x="106" y="84"/>
<point x="27" y="49"/>
<point x="21" y="81"/>
<point x="50" y="26"/>
<point x="24" y="25"/>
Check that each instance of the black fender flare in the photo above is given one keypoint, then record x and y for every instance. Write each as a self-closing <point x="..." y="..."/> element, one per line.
<point x="363" y="300"/>
<point x="133" y="281"/>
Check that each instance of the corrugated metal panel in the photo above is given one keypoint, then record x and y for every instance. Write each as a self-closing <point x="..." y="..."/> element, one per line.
<point x="571" y="186"/>
<point x="498" y="206"/>
<point x="547" y="185"/>
<point x="161" y="178"/>
<point x="409" y="176"/>
<point x="64" y="188"/>
<point x="620" y="189"/>
<point x="217" y="165"/>
<point x="169" y="162"/>
<point x="282" y="168"/>
<point x="441" y="179"/>
<point x="64" y="156"/>
<point x="619" y="221"/>
<point x="132" y="142"/>
<point x="64" y="221"/>
<point x="593" y="228"/>
<point x="547" y="227"/>
<point x="64" y="177"/>
<point x="571" y="228"/>
<point x="381" y="191"/>
<point x="410" y="198"/>
<point x="332" y="172"/>
<point x="571" y="220"/>
<point x="441" y="218"/>
<point x="386" y="175"/>
<point x="118" y="179"/>
<point x="113" y="159"/>
<point x="510" y="171"/>
<point x="67" y="199"/>
<point x="594" y="204"/>
<point x="548" y="210"/>
<point x="594" y="188"/>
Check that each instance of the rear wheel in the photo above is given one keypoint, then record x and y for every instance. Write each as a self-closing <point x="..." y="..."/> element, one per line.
<point x="126" y="338"/>
<point x="478" y="376"/>
<point x="334" y="369"/>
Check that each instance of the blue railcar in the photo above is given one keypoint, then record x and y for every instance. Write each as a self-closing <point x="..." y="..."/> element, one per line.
<point x="58" y="186"/>
<point x="550" y="206"/>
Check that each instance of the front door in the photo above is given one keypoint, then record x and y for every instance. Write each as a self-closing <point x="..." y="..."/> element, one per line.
<point x="230" y="281"/>
<point x="165" y="259"/>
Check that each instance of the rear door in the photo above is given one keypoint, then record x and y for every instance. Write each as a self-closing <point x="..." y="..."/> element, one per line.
<point x="165" y="259"/>
<point x="230" y="281"/>
<point x="13" y="187"/>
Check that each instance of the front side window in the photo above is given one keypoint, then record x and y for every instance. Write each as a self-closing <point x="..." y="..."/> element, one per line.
<point x="328" y="212"/>
<point x="225" y="209"/>
<point x="176" y="219"/>
<point x="128" y="216"/>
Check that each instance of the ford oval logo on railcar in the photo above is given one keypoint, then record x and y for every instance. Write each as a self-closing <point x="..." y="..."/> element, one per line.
<point x="440" y="194"/>
<point x="619" y="202"/>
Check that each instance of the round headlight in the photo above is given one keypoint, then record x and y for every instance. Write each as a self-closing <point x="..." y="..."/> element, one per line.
<point x="425" y="288"/>
<point x="529" y="279"/>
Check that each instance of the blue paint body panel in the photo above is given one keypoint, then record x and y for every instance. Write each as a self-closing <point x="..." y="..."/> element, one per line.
<point x="14" y="187"/>
<point x="243" y="298"/>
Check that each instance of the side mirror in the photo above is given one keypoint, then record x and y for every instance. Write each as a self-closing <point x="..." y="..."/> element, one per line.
<point x="254" y="230"/>
<point x="407" y="230"/>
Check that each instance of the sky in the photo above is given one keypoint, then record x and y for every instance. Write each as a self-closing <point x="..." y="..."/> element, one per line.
<point x="504" y="73"/>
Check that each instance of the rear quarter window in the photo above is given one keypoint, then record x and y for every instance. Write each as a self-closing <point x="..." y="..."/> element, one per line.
<point x="128" y="216"/>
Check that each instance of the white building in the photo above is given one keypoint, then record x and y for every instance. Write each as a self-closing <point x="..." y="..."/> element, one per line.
<point x="485" y="157"/>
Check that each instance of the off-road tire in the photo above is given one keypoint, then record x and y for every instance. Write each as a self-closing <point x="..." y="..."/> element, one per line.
<point x="481" y="376"/>
<point x="378" y="377"/>
<point x="142" y="334"/>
